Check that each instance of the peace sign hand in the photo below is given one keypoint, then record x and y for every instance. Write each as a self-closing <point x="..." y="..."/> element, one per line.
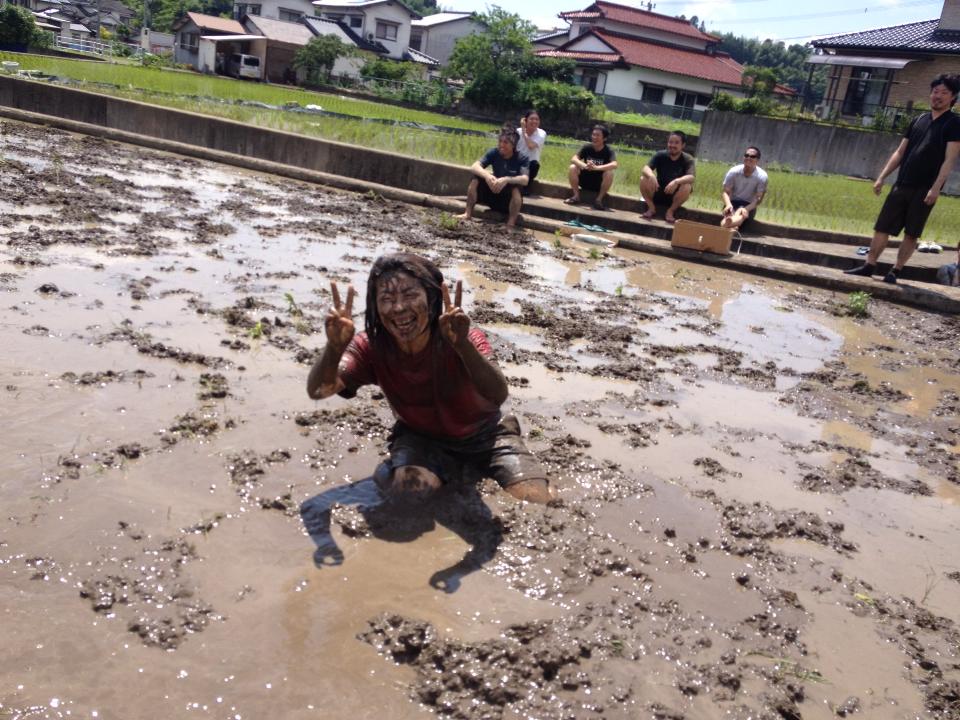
<point x="339" y="321"/>
<point x="454" y="323"/>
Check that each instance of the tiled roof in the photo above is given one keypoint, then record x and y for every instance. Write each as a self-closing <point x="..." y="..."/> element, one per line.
<point x="719" y="68"/>
<point x="912" y="37"/>
<point x="584" y="57"/>
<point x="291" y="33"/>
<point x="419" y="57"/>
<point x="219" y="24"/>
<point x="638" y="17"/>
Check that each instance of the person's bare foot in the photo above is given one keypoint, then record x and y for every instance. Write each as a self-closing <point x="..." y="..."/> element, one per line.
<point x="669" y="218"/>
<point x="535" y="490"/>
<point x="572" y="200"/>
<point x="648" y="215"/>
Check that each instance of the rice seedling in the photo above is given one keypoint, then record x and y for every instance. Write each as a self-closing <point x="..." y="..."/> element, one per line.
<point x="858" y="304"/>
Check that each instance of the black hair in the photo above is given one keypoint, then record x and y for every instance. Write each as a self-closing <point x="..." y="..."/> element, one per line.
<point x="754" y="147"/>
<point x="680" y="134"/>
<point x="509" y="133"/>
<point x="531" y="111"/>
<point x="421" y="270"/>
<point x="950" y="82"/>
<point x="603" y="129"/>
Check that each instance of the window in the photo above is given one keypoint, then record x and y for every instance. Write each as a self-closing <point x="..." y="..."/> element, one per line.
<point x="356" y="21"/>
<point x="690" y="99"/>
<point x="386" y="31"/>
<point x="190" y="41"/>
<point x="416" y="38"/>
<point x="290" y="15"/>
<point x="652" y="94"/>
<point x="241" y="9"/>
<point x="865" y="91"/>
<point x="336" y="17"/>
<point x="594" y="81"/>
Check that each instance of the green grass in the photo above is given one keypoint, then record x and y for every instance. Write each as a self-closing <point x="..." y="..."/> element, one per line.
<point x="822" y="202"/>
<point x="660" y="122"/>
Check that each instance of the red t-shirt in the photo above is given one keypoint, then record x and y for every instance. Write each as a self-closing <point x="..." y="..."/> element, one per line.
<point x="431" y="392"/>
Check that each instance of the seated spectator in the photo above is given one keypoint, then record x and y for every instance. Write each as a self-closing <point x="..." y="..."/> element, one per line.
<point x="592" y="168"/>
<point x="668" y="178"/>
<point x="530" y="142"/>
<point x="499" y="190"/>
<point x="743" y="189"/>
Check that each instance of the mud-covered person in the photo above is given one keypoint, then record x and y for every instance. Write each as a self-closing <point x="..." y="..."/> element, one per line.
<point x="438" y="374"/>
<point x="499" y="187"/>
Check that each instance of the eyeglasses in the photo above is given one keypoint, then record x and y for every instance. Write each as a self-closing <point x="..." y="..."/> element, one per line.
<point x="752" y="157"/>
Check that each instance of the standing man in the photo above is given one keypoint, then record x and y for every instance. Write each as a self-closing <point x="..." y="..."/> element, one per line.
<point x="592" y="168"/>
<point x="668" y="178"/>
<point x="925" y="156"/>
<point x="743" y="189"/>
<point x="500" y="189"/>
<point x="530" y="143"/>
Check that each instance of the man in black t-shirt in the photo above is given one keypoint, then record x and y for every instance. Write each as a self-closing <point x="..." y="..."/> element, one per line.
<point x="500" y="189"/>
<point x="925" y="156"/>
<point x="668" y="178"/>
<point x="592" y="168"/>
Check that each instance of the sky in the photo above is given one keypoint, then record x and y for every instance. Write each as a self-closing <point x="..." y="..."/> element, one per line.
<point x="762" y="19"/>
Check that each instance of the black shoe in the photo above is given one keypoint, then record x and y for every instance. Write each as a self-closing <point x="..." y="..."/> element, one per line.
<point x="891" y="277"/>
<point x="865" y="270"/>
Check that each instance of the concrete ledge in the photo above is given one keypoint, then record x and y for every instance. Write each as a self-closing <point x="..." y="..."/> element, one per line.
<point x="936" y="298"/>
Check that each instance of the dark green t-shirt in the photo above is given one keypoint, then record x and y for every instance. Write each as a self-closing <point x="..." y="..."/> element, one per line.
<point x="668" y="170"/>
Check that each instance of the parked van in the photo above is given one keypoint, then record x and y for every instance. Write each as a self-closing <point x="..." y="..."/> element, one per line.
<point x="243" y="66"/>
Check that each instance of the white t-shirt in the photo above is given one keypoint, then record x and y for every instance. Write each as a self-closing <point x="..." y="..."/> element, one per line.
<point x="539" y="137"/>
<point x="745" y="187"/>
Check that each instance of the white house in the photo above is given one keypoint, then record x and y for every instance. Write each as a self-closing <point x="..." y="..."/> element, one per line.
<point x="644" y="61"/>
<point x="345" y="66"/>
<point x="287" y="10"/>
<point x="200" y="39"/>
<point x="386" y="22"/>
<point x="436" y="34"/>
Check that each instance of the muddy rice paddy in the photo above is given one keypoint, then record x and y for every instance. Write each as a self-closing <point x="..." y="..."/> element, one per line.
<point x="757" y="511"/>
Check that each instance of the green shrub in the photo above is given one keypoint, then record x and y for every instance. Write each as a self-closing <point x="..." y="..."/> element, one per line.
<point x="723" y="101"/>
<point x="16" y="26"/>
<point x="555" y="99"/>
<point x="383" y="69"/>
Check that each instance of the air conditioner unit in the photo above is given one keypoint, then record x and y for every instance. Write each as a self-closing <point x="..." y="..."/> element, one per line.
<point x="819" y="111"/>
<point x="370" y="37"/>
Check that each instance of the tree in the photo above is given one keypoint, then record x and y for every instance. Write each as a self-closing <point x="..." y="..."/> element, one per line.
<point x="502" y="47"/>
<point x="318" y="56"/>
<point x="422" y="7"/>
<point x="758" y="81"/>
<point x="17" y="28"/>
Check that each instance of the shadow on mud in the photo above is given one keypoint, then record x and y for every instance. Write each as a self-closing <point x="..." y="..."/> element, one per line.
<point x="361" y="510"/>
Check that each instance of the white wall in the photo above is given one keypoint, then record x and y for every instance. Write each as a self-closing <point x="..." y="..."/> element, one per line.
<point x="392" y="13"/>
<point x="271" y="8"/>
<point x="438" y="41"/>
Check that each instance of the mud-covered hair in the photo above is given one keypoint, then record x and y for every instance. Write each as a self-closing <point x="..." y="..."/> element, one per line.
<point x="950" y="82"/>
<point x="603" y="130"/>
<point x="421" y="270"/>
<point x="509" y="133"/>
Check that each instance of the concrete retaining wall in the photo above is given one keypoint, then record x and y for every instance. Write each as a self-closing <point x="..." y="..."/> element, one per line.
<point x="234" y="137"/>
<point x="803" y="146"/>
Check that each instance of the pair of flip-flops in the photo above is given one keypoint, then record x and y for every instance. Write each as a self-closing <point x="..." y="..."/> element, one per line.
<point x="863" y="250"/>
<point x="929" y="247"/>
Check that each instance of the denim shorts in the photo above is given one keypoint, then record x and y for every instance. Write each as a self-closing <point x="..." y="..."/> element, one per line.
<point x="497" y="452"/>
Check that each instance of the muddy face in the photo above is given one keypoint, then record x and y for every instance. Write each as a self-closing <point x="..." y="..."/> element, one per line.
<point x="404" y="311"/>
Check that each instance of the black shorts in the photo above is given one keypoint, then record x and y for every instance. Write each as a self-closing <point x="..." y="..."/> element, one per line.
<point x="591" y="180"/>
<point x="497" y="453"/>
<point x="737" y="204"/>
<point x="904" y="209"/>
<point x="495" y="201"/>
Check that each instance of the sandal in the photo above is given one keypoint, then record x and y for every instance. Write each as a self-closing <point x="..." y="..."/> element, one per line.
<point x="571" y="201"/>
<point x="599" y="206"/>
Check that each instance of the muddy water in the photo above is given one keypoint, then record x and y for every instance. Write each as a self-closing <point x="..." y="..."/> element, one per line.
<point x="758" y="493"/>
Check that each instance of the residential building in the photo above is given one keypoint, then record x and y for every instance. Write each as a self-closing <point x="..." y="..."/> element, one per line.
<point x="435" y="35"/>
<point x="203" y="40"/>
<point x="277" y="45"/>
<point x="641" y="60"/>
<point x="287" y="10"/>
<point x="385" y="22"/>
<point x="889" y="67"/>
